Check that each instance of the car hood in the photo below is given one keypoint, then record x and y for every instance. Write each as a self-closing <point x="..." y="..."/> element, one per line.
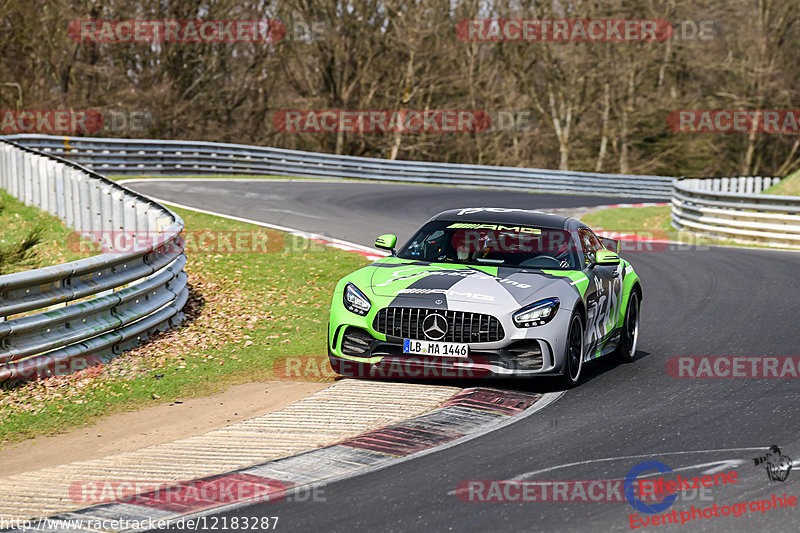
<point x="413" y="284"/>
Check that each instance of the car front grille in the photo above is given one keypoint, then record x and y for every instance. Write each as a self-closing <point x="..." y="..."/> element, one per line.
<point x="406" y="323"/>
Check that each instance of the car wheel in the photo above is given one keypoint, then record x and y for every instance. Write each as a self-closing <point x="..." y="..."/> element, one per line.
<point x="573" y="353"/>
<point x="629" y="336"/>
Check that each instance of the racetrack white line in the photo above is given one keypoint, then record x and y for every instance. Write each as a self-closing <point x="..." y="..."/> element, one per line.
<point x="642" y="456"/>
<point x="717" y="466"/>
<point x="295" y="213"/>
<point x="292" y="231"/>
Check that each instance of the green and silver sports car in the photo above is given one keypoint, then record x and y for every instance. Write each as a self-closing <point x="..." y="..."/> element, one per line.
<point x="487" y="292"/>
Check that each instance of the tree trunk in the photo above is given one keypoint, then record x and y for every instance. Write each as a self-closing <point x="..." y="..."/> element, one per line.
<point x="598" y="167"/>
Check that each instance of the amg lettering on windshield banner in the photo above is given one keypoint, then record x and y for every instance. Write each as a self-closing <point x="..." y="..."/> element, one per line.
<point x="497" y="227"/>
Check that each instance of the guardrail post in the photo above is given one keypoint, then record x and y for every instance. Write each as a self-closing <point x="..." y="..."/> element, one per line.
<point x="85" y="202"/>
<point x="105" y="210"/>
<point x="9" y="167"/>
<point x="142" y="222"/>
<point x="45" y="182"/>
<point x="95" y="203"/>
<point x="59" y="193"/>
<point x="117" y="210"/>
<point x="3" y="165"/>
<point x="18" y="176"/>
<point x="27" y="179"/>
<point x="72" y="199"/>
<point x="6" y="167"/>
<point x="129" y="216"/>
<point x="36" y="182"/>
<point x="54" y="176"/>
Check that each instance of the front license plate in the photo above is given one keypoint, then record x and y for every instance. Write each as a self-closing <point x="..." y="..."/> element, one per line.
<point x="442" y="349"/>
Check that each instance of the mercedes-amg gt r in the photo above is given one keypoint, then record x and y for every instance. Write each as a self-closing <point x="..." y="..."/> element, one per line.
<point x="487" y="292"/>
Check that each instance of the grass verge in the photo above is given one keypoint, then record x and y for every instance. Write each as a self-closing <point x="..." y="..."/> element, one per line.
<point x="32" y="238"/>
<point x="247" y="309"/>
<point x="788" y="186"/>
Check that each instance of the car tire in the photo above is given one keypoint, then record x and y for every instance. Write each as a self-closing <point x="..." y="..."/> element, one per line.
<point x="629" y="336"/>
<point x="573" y="352"/>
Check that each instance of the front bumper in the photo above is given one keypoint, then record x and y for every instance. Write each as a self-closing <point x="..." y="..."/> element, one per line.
<point x="381" y="355"/>
<point x="356" y="349"/>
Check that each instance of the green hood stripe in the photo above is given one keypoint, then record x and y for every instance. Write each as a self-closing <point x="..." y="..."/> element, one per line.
<point x="579" y="279"/>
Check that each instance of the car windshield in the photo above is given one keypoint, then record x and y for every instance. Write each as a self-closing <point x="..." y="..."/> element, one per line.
<point x="507" y="245"/>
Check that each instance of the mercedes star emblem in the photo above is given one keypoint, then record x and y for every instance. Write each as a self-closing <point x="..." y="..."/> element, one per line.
<point x="434" y="326"/>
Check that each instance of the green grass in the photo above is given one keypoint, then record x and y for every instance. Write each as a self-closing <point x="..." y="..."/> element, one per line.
<point x="630" y="219"/>
<point x="252" y="309"/>
<point x="31" y="238"/>
<point x="788" y="186"/>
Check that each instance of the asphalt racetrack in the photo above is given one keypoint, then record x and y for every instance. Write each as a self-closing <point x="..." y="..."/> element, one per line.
<point x="697" y="301"/>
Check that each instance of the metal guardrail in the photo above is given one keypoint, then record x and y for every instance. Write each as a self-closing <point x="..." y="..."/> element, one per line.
<point x="158" y="157"/>
<point x="736" y="184"/>
<point x="90" y="310"/>
<point x="731" y="209"/>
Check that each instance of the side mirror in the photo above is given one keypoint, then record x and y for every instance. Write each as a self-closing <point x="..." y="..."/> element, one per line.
<point x="606" y="258"/>
<point x="615" y="245"/>
<point x="386" y="242"/>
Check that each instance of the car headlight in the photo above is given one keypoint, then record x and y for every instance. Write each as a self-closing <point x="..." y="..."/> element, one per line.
<point x="537" y="314"/>
<point x="355" y="301"/>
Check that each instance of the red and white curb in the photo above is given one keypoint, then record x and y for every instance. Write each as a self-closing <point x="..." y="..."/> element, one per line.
<point x="465" y="416"/>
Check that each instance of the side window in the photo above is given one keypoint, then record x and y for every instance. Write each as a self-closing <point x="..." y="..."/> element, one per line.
<point x="590" y="244"/>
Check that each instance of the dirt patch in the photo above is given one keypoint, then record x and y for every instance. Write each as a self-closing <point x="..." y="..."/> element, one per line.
<point x="124" y="432"/>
